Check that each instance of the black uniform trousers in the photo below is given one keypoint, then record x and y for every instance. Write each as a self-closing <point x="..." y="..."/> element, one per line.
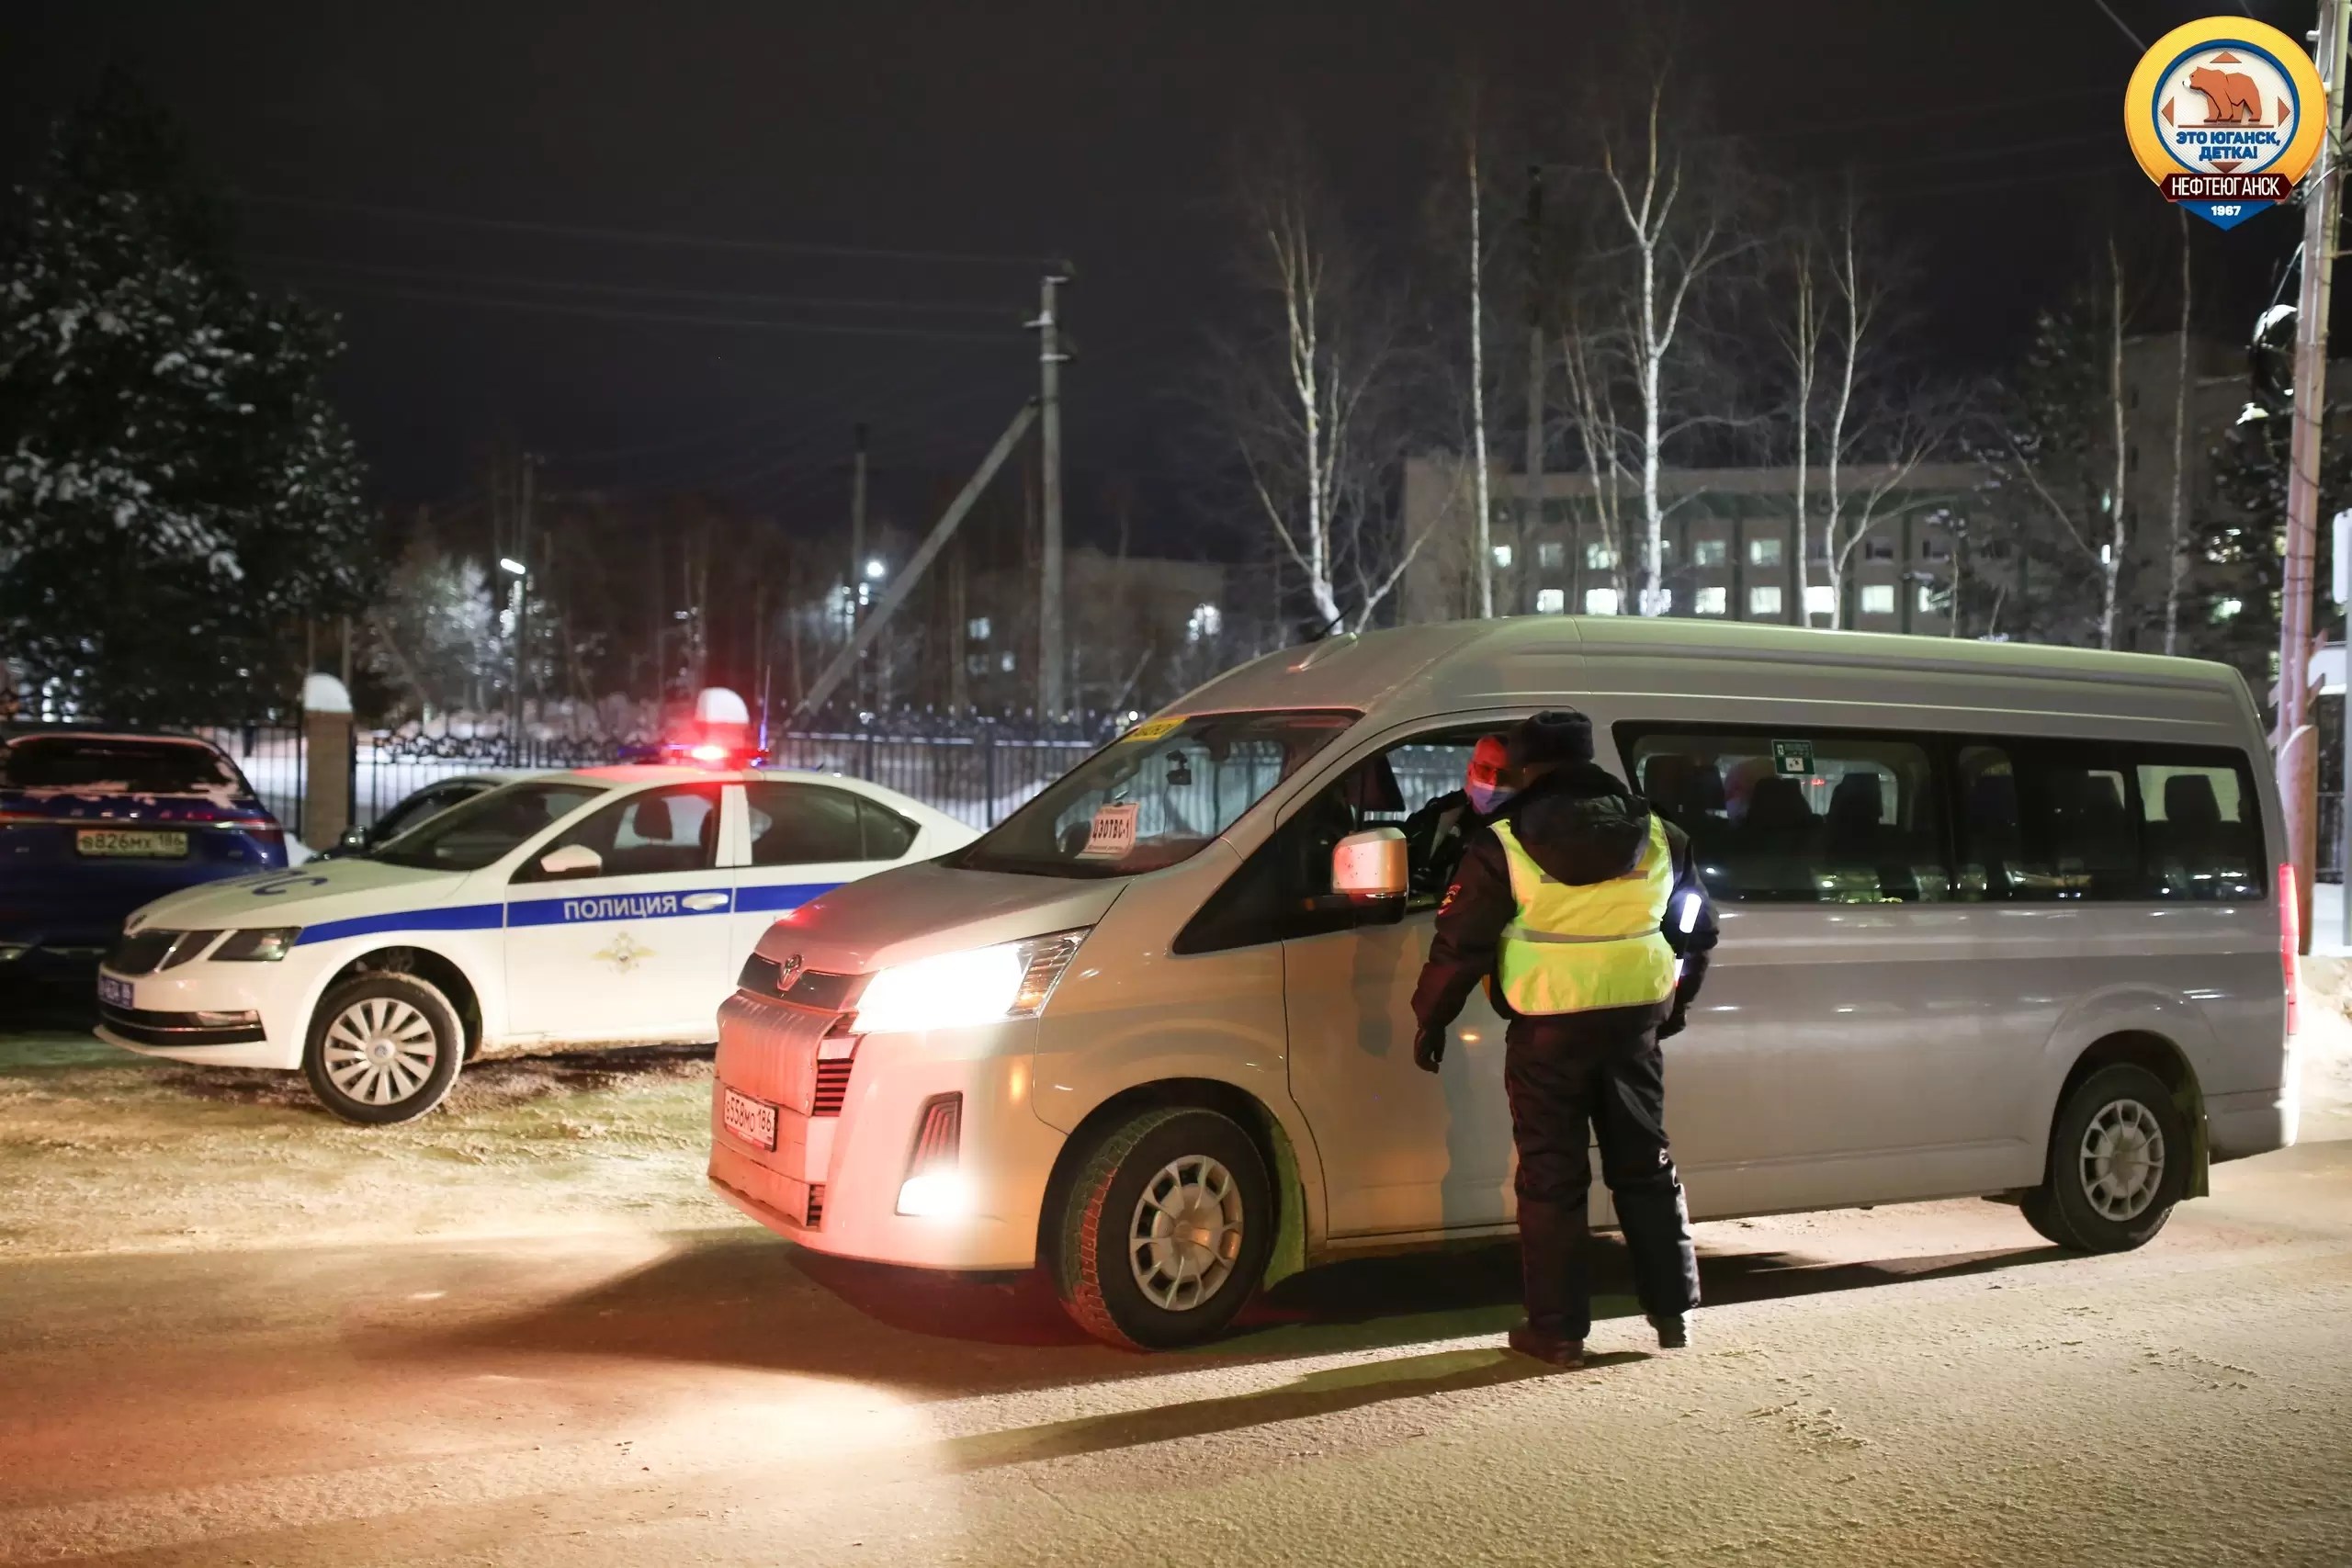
<point x="1564" y="1078"/>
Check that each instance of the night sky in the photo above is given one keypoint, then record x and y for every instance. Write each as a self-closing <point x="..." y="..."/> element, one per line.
<point x="969" y="141"/>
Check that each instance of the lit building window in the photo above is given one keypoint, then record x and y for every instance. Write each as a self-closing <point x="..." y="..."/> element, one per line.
<point x="1550" y="600"/>
<point x="1502" y="555"/>
<point x="1710" y="552"/>
<point x="1763" y="552"/>
<point x="1820" y="599"/>
<point x="1878" y="598"/>
<point x="1550" y="554"/>
<point x="1206" y="622"/>
<point x="1004" y="663"/>
<point x="1927" y="598"/>
<point x="977" y="628"/>
<point x="2227" y="609"/>
<point x="1601" y="601"/>
<point x="1600" y="557"/>
<point x="1764" y="602"/>
<point x="1715" y="601"/>
<point x="1665" y="598"/>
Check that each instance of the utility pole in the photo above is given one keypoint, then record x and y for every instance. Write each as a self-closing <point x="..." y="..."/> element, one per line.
<point x="1051" y="659"/>
<point x="2298" y="762"/>
<point x="857" y="555"/>
<point x="1530" y="510"/>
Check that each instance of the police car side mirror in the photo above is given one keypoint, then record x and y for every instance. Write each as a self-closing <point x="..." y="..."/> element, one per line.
<point x="570" y="860"/>
<point x="353" y="838"/>
<point x="1369" y="869"/>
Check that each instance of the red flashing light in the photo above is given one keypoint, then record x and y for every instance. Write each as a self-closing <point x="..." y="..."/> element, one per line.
<point x="708" y="753"/>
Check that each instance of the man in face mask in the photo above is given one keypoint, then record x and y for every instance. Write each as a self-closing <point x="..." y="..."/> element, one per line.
<point x="1435" y="834"/>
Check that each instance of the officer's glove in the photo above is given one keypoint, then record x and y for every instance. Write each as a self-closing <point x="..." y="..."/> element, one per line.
<point x="1674" y="1023"/>
<point x="1429" y="1048"/>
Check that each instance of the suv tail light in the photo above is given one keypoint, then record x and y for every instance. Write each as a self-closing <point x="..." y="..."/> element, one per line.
<point x="2290" y="936"/>
<point x="934" y="1186"/>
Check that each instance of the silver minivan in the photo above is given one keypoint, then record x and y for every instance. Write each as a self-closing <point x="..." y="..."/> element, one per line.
<point x="1995" y="919"/>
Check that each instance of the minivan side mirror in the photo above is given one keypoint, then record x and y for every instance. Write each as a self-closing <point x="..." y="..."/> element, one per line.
<point x="570" y="860"/>
<point x="1368" y="868"/>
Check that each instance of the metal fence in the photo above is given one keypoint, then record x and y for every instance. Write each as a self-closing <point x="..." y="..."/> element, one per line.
<point x="974" y="769"/>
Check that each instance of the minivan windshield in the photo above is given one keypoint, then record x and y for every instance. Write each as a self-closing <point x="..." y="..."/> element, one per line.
<point x="1155" y="796"/>
<point x="474" y="833"/>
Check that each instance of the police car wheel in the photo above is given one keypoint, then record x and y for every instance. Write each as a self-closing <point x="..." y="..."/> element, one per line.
<point x="2119" y="1161"/>
<point x="383" y="1048"/>
<point x="1166" y="1230"/>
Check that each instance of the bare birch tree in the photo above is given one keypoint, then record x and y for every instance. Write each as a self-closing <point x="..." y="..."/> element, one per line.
<point x="1798" y="332"/>
<point x="2177" y="560"/>
<point x="1306" y="392"/>
<point x="1591" y="365"/>
<point x="1677" y="230"/>
<point x="1484" y="565"/>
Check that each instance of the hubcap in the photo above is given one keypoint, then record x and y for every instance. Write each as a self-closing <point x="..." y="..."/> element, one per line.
<point x="381" y="1051"/>
<point x="2123" y="1159"/>
<point x="1186" y="1233"/>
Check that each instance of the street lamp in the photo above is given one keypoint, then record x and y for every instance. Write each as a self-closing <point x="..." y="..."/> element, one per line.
<point x="522" y="575"/>
<point x="509" y="564"/>
<point x="875" y="570"/>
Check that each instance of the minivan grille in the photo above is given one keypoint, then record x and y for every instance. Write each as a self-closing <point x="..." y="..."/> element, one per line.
<point x="810" y="989"/>
<point x="832" y="1086"/>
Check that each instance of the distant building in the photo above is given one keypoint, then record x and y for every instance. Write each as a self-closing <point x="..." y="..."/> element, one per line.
<point x="1730" y="546"/>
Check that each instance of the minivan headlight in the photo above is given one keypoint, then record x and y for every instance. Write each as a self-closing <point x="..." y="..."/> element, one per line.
<point x="955" y="990"/>
<point x="267" y="945"/>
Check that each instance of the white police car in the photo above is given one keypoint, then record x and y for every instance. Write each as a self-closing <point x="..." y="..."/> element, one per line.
<point x="609" y="906"/>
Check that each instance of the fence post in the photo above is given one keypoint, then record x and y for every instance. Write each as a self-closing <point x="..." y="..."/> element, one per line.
<point x="328" y="761"/>
<point x="988" y="774"/>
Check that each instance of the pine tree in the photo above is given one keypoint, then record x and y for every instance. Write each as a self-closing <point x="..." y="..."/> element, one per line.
<point x="175" y="491"/>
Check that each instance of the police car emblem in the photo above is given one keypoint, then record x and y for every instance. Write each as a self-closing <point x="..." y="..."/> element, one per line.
<point x="623" y="953"/>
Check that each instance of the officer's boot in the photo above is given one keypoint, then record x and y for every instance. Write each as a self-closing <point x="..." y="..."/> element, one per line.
<point x="1551" y="1281"/>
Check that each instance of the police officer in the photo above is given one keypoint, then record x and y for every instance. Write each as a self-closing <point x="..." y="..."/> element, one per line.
<point x="1581" y="907"/>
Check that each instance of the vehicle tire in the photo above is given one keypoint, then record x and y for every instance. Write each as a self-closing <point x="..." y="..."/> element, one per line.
<point x="383" y="1048"/>
<point x="1165" y="1231"/>
<point x="2119" y="1161"/>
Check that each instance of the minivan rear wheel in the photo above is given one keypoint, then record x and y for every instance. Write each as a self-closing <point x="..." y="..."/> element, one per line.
<point x="2119" y="1161"/>
<point x="1166" y="1229"/>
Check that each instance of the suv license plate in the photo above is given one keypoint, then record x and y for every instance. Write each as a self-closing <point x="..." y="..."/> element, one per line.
<point x="114" y="992"/>
<point x="117" y="842"/>
<point x="752" y="1121"/>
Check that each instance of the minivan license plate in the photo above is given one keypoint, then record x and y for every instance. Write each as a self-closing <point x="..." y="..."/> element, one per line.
<point x="751" y="1121"/>
<point x="121" y="843"/>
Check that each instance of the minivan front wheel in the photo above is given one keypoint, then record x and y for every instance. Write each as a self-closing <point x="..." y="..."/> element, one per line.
<point x="1165" y="1231"/>
<point x="2119" y="1161"/>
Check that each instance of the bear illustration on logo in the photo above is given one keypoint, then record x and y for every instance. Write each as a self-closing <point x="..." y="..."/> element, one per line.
<point x="2231" y="96"/>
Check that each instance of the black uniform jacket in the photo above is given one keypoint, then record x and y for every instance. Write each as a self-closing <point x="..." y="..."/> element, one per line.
<point x="1581" y="825"/>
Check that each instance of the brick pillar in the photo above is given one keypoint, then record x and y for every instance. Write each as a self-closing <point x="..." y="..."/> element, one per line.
<point x="326" y="770"/>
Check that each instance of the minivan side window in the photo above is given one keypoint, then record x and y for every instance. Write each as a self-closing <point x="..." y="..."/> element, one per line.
<point x="2104" y="821"/>
<point x="1285" y="888"/>
<point x="1798" y="816"/>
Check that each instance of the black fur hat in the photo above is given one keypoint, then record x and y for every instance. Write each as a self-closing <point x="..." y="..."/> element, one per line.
<point x="1556" y="735"/>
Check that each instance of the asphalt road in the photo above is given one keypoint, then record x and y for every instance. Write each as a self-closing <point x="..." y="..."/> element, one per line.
<point x="1927" y="1384"/>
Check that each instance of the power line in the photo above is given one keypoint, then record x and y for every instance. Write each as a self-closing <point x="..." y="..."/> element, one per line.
<point x="629" y="236"/>
<point x="631" y="290"/>
<point x="597" y="312"/>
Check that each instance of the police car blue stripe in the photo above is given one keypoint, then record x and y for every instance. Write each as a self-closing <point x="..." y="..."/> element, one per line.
<point x="595" y="907"/>
<point x="461" y="918"/>
<point x="752" y="901"/>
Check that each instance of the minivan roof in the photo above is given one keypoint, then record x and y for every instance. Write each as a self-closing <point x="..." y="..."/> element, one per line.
<point x="1462" y="663"/>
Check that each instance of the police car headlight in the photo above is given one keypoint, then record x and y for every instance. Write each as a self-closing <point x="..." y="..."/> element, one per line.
<point x="265" y="946"/>
<point x="955" y="990"/>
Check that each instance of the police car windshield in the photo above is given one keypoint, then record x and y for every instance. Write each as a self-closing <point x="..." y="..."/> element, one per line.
<point x="1155" y="796"/>
<point x="476" y="833"/>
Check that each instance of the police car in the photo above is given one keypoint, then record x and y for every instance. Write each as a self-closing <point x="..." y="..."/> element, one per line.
<point x="607" y="906"/>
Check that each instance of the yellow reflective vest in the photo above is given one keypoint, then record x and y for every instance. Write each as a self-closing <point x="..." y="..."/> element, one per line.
<point x="1574" y="947"/>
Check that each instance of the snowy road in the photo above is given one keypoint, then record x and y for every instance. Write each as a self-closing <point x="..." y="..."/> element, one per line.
<point x="1913" y="1385"/>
